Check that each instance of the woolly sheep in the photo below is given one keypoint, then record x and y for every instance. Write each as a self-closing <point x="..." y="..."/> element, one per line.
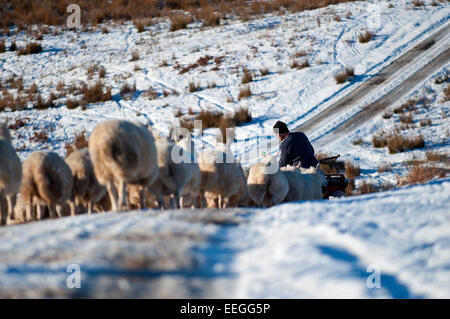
<point x="47" y="180"/>
<point x="242" y="197"/>
<point x="187" y="154"/>
<point x="173" y="177"/>
<point x="86" y="189"/>
<point x="10" y="175"/>
<point x="266" y="184"/>
<point x="221" y="175"/>
<point x="306" y="183"/>
<point x="123" y="153"/>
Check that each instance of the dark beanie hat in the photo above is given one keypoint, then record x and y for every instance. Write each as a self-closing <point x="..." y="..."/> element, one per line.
<point x="281" y="126"/>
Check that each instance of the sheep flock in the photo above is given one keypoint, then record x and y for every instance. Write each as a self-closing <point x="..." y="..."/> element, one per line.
<point x="127" y="167"/>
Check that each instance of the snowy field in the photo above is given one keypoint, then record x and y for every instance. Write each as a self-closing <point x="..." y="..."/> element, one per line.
<point x="311" y="249"/>
<point x="272" y="42"/>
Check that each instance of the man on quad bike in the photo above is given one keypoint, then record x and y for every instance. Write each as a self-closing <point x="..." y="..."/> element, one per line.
<point x="295" y="147"/>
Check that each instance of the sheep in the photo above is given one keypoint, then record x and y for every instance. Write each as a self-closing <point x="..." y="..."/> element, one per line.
<point x="10" y="175"/>
<point x="189" y="156"/>
<point x="305" y="184"/>
<point x="86" y="189"/>
<point x="47" y="179"/>
<point x="296" y="185"/>
<point x="123" y="153"/>
<point x="267" y="185"/>
<point x="221" y="175"/>
<point x="173" y="176"/>
<point x="242" y="197"/>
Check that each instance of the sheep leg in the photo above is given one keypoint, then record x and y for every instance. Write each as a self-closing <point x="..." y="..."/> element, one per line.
<point x="112" y="192"/>
<point x="181" y="203"/>
<point x="72" y="208"/>
<point x="51" y="209"/>
<point x="225" y="202"/>
<point x="219" y="201"/>
<point x="161" y="204"/>
<point x="89" y="205"/>
<point x="28" y="209"/>
<point x="38" y="212"/>
<point x="59" y="210"/>
<point x="2" y="210"/>
<point x="123" y="195"/>
<point x="142" y="199"/>
<point x="11" y="199"/>
<point x="177" y="199"/>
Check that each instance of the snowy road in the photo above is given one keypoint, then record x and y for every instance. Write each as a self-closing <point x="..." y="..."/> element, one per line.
<point x="383" y="89"/>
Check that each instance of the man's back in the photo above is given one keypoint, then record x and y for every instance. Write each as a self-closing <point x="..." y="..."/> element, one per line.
<point x="296" y="148"/>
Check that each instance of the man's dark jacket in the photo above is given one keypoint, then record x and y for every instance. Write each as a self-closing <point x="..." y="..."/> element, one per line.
<point x="296" y="148"/>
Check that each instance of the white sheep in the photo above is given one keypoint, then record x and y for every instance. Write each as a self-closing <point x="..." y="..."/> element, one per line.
<point x="123" y="153"/>
<point x="10" y="175"/>
<point x="173" y="176"/>
<point x="266" y="184"/>
<point x="242" y="197"/>
<point x="187" y="154"/>
<point x="305" y="184"/>
<point x="221" y="175"/>
<point x="46" y="180"/>
<point x="86" y="189"/>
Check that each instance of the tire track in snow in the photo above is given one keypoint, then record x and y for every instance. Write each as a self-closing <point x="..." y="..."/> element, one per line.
<point x="364" y="90"/>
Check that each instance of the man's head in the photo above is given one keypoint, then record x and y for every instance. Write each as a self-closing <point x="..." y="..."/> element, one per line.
<point x="281" y="130"/>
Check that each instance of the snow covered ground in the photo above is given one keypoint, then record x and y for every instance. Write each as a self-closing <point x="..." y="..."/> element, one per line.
<point x="307" y="249"/>
<point x="271" y="42"/>
<point x="312" y="249"/>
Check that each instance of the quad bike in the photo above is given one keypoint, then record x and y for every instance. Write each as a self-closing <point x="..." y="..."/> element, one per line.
<point x="336" y="182"/>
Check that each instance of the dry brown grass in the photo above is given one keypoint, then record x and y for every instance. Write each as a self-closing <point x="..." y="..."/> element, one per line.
<point x="72" y="103"/>
<point x="264" y="71"/>
<point x="446" y="92"/>
<point x="365" y="37"/>
<point x="39" y="137"/>
<point x="384" y="167"/>
<point x="127" y="90"/>
<point x="246" y="77"/>
<point x="299" y="64"/>
<point x="343" y="76"/>
<point x="96" y="93"/>
<point x="366" y="187"/>
<point x="379" y="140"/>
<point x="209" y="17"/>
<point x="421" y="173"/>
<point x="80" y="141"/>
<point x="244" y="92"/>
<point x="358" y="141"/>
<point x="101" y="72"/>
<point x="30" y="48"/>
<point x="425" y="122"/>
<point x="179" y="21"/>
<point x="134" y="56"/>
<point x="41" y="104"/>
<point x="352" y="170"/>
<point x="18" y="123"/>
<point x="387" y="115"/>
<point x="53" y="12"/>
<point x="434" y="156"/>
<point x="406" y="119"/>
<point x="441" y="79"/>
<point x="193" y="87"/>
<point x="398" y="143"/>
<point x="218" y="119"/>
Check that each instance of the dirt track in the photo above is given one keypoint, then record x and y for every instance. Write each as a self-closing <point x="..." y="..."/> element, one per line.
<point x="386" y="75"/>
